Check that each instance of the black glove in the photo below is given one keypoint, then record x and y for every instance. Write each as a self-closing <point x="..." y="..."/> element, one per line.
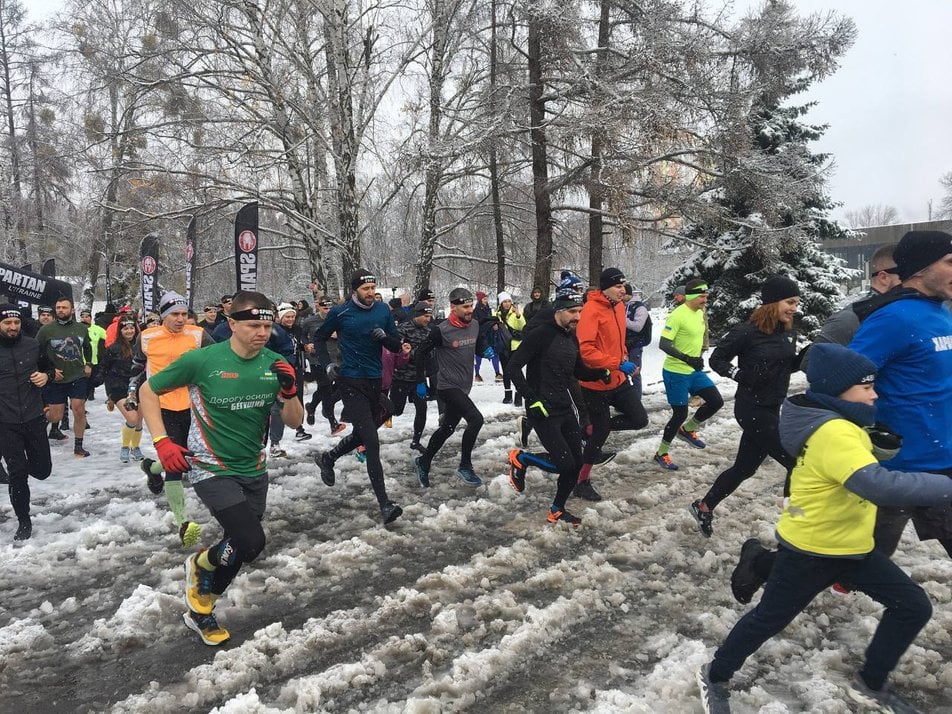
<point x="694" y="362"/>
<point x="333" y="371"/>
<point x="606" y="376"/>
<point x="886" y="443"/>
<point x="379" y="334"/>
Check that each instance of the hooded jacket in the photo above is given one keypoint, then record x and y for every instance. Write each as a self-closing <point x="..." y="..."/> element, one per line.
<point x="601" y="339"/>
<point x="535" y="305"/>
<point x="838" y="483"/>
<point x="20" y="401"/>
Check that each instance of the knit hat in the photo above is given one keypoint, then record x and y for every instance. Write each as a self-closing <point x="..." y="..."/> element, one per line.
<point x="777" y="288"/>
<point x="395" y="303"/>
<point x="284" y="308"/>
<point x="480" y="295"/>
<point x="833" y="369"/>
<point x="171" y="302"/>
<point x="425" y="294"/>
<point x="611" y="277"/>
<point x="565" y="299"/>
<point x="695" y="288"/>
<point x="503" y="296"/>
<point x="7" y="310"/>
<point x="44" y="309"/>
<point x="421" y="308"/>
<point x="679" y="290"/>
<point x="458" y="296"/>
<point x="85" y="311"/>
<point x="569" y="281"/>
<point x="360" y="277"/>
<point x="919" y="249"/>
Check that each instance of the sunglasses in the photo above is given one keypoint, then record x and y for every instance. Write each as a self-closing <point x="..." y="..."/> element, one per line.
<point x="892" y="271"/>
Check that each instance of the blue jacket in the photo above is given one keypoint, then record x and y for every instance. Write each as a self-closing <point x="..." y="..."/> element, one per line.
<point x="910" y="341"/>
<point x="282" y="342"/>
<point x="359" y="352"/>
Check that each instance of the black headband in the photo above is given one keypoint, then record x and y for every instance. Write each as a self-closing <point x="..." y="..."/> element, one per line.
<point x="253" y="313"/>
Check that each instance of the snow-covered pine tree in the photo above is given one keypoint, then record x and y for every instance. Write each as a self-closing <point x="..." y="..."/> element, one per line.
<point x="769" y="208"/>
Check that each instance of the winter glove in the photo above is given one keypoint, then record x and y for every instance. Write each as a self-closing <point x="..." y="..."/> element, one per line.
<point x="286" y="378"/>
<point x="695" y="363"/>
<point x="489" y="353"/>
<point x="333" y="371"/>
<point x="886" y="443"/>
<point x="132" y="404"/>
<point x="537" y="409"/>
<point x="627" y="367"/>
<point x="421" y="390"/>
<point x="606" y="376"/>
<point x="379" y="334"/>
<point x="171" y="455"/>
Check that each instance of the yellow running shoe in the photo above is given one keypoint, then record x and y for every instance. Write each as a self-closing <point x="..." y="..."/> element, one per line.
<point x="198" y="586"/>
<point x="207" y="628"/>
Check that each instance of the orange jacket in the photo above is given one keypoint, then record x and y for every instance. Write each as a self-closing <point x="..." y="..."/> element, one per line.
<point x="601" y="338"/>
<point x="161" y="348"/>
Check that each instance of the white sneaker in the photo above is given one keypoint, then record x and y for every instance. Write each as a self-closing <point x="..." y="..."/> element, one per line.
<point x="277" y="452"/>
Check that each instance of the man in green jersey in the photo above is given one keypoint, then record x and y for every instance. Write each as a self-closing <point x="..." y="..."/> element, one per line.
<point x="682" y="339"/>
<point x="231" y="386"/>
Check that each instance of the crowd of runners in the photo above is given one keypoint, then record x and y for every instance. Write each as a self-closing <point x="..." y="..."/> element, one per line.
<point x="217" y="392"/>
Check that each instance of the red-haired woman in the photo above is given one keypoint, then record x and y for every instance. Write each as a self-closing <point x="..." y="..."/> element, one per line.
<point x="766" y="350"/>
<point x="117" y="367"/>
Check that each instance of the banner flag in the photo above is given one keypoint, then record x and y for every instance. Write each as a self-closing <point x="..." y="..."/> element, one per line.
<point x="149" y="272"/>
<point x="32" y="287"/>
<point x="246" y="247"/>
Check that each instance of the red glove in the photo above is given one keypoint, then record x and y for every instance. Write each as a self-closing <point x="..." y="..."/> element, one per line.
<point x="286" y="378"/>
<point x="172" y="455"/>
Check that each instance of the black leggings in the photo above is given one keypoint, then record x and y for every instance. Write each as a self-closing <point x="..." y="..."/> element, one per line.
<point x="26" y="449"/>
<point x="327" y="395"/>
<point x="402" y="392"/>
<point x="458" y="407"/>
<point x="760" y="439"/>
<point x="367" y="408"/>
<point x="712" y="402"/>
<point x="242" y="543"/>
<point x="562" y="438"/>
<point x="624" y="398"/>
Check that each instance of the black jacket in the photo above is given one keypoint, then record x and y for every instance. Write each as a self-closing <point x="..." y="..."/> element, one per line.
<point x="116" y="369"/>
<point x="20" y="401"/>
<point x="764" y="362"/>
<point x="552" y="361"/>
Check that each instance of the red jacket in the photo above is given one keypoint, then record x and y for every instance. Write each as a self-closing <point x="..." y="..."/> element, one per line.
<point x="601" y="338"/>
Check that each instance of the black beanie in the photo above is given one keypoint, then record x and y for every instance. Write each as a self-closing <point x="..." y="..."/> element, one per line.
<point x="833" y="369"/>
<point x="611" y="277"/>
<point x="420" y="309"/>
<point x="777" y="288"/>
<point x="425" y="294"/>
<point x="566" y="299"/>
<point x="360" y="277"/>
<point x="9" y="310"/>
<point x="919" y="249"/>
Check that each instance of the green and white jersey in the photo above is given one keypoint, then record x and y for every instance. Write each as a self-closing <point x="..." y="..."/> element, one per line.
<point x="230" y="399"/>
<point x="685" y="328"/>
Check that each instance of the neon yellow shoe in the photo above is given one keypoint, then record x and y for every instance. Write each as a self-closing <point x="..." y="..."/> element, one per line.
<point x="198" y="586"/>
<point x="207" y="628"/>
<point x="189" y="533"/>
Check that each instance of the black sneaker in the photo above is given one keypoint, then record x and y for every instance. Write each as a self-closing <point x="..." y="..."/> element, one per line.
<point x="885" y="699"/>
<point x="507" y="398"/>
<point x="326" y="465"/>
<point x="744" y="580"/>
<point x="422" y="472"/>
<point x="310" y="416"/>
<point x="415" y="445"/>
<point x="603" y="457"/>
<point x="517" y="472"/>
<point x="155" y="482"/>
<point x="24" y="531"/>
<point x="705" y="519"/>
<point x="64" y="422"/>
<point x="715" y="696"/>
<point x="301" y="435"/>
<point x="79" y="452"/>
<point x="390" y="512"/>
<point x="585" y="490"/>
<point x="56" y="434"/>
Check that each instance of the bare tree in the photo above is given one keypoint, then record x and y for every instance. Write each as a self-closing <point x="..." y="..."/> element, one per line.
<point x="945" y="205"/>
<point x="872" y="215"/>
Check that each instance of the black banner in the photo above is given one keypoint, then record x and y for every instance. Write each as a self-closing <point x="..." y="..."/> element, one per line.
<point x="246" y="247"/>
<point x="49" y="267"/>
<point x="28" y="268"/>
<point x="149" y="272"/>
<point x="189" y="260"/>
<point x="32" y="287"/>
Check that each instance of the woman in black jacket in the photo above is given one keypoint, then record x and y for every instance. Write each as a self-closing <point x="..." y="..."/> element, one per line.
<point x="117" y="369"/>
<point x="766" y="350"/>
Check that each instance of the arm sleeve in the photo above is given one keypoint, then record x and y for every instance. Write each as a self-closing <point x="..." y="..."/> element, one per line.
<point x="727" y="349"/>
<point x="635" y="319"/>
<point x="899" y="488"/>
<point x="322" y="334"/>
<point x="667" y="346"/>
<point x="433" y="339"/>
<point x="87" y="350"/>
<point x="137" y="372"/>
<point x="530" y="347"/>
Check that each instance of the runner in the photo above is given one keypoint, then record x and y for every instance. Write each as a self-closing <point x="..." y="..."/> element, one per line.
<point x="413" y="331"/>
<point x="117" y="371"/>
<point x="231" y="387"/>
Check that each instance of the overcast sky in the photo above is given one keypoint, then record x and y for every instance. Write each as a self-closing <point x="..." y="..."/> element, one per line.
<point x="889" y="106"/>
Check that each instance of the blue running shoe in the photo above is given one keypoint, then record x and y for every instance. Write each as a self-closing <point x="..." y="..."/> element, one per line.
<point x="422" y="472"/>
<point x="665" y="462"/>
<point x="468" y="476"/>
<point x="691" y="437"/>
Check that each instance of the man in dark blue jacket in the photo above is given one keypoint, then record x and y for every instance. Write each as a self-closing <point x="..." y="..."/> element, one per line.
<point x="362" y="325"/>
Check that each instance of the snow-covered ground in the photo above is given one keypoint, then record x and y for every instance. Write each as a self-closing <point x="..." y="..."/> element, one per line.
<point x="470" y="601"/>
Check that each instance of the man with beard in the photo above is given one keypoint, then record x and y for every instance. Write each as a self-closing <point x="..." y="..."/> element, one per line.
<point x="550" y="355"/>
<point x="362" y="325"/>
<point x="456" y="341"/>
<point x="24" y="371"/>
<point x="67" y="345"/>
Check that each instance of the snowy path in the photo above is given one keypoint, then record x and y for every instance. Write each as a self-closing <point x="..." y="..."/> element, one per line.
<point x="469" y="602"/>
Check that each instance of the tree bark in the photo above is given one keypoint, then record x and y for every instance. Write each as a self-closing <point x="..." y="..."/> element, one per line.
<point x="540" y="172"/>
<point x="596" y="190"/>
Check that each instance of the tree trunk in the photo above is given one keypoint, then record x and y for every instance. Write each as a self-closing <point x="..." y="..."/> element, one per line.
<point x="540" y="172"/>
<point x="596" y="190"/>
<point x="494" y="164"/>
<point x="19" y="227"/>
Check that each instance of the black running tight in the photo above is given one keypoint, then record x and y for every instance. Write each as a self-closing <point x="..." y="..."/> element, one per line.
<point x="712" y="402"/>
<point x="458" y="407"/>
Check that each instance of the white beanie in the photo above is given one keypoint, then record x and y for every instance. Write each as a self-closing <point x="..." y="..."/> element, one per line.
<point x="284" y="308"/>
<point x="503" y="296"/>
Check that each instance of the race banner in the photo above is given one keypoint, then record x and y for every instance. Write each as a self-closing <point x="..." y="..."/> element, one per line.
<point x="246" y="247"/>
<point x="49" y="267"/>
<point x="29" y="269"/>
<point x="32" y="287"/>
<point x="149" y="272"/>
<point x="190" y="235"/>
